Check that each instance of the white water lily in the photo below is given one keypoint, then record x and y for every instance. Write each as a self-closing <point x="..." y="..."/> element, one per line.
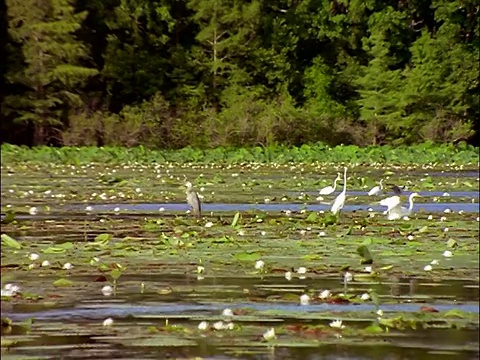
<point x="269" y="334"/>
<point x="67" y="266"/>
<point x="209" y="224"/>
<point x="203" y="326"/>
<point x="302" y="270"/>
<point x="162" y="209"/>
<point x="117" y="209"/>
<point x="428" y="268"/>
<point x="88" y="208"/>
<point x="107" y="290"/>
<point x="365" y="297"/>
<point x="430" y="217"/>
<point x="303" y="232"/>
<point x="227" y="312"/>
<point x="410" y="237"/>
<point x="33" y="210"/>
<point x="447" y="211"/>
<point x="288" y="212"/>
<point x="45" y="263"/>
<point x="446" y="194"/>
<point x="337" y="324"/>
<point x="33" y="256"/>
<point x="322" y="233"/>
<point x="445" y="229"/>
<point x="325" y="294"/>
<point x="368" y="269"/>
<point x="434" y="262"/>
<point x="380" y="312"/>
<point x="31" y="266"/>
<point x="263" y="233"/>
<point x="288" y="275"/>
<point x="241" y="233"/>
<point x="447" y="253"/>
<point x="200" y="269"/>
<point x="108" y="322"/>
<point x="304" y="299"/>
<point x="219" y="325"/>
<point x="259" y="264"/>
<point x="443" y="218"/>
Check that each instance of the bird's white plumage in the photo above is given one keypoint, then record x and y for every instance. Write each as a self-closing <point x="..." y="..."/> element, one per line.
<point x="397" y="212"/>
<point x="327" y="190"/>
<point x="377" y="190"/>
<point x="390" y="202"/>
<point x="340" y="200"/>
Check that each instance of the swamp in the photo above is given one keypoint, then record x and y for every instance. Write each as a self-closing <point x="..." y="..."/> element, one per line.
<point x="101" y="258"/>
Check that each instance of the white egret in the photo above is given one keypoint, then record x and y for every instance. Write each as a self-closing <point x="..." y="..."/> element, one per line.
<point x="193" y="200"/>
<point x="390" y="202"/>
<point x="377" y="190"/>
<point x="397" y="212"/>
<point x="327" y="190"/>
<point x="340" y="200"/>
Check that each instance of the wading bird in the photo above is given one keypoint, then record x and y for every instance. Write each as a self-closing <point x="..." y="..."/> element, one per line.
<point x="397" y="189"/>
<point x="377" y="190"/>
<point x="327" y="190"/>
<point x="397" y="211"/>
<point x="193" y="200"/>
<point x="340" y="200"/>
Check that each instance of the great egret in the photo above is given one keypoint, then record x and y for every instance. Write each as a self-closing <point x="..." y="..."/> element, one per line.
<point x="390" y="202"/>
<point x="193" y="200"/>
<point x="327" y="190"/>
<point x="397" y="212"/>
<point x="340" y="200"/>
<point x="377" y="190"/>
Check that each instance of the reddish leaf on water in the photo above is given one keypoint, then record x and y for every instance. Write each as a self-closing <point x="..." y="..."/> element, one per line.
<point x="101" y="278"/>
<point x="337" y="300"/>
<point x="54" y="296"/>
<point x="428" y="309"/>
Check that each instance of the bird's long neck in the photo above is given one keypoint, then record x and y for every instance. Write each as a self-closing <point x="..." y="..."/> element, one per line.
<point x="345" y="180"/>
<point x="410" y="200"/>
<point x="335" y="182"/>
<point x="381" y="186"/>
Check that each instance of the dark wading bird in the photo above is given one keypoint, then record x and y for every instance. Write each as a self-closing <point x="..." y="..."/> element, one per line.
<point x="193" y="200"/>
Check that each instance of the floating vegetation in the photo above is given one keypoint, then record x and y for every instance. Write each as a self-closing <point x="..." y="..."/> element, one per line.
<point x="99" y="265"/>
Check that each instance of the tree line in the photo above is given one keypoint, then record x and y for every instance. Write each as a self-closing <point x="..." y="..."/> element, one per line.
<point x="175" y="73"/>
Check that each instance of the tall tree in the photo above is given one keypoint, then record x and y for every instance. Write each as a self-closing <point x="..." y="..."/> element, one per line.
<point x="227" y="30"/>
<point x="52" y="72"/>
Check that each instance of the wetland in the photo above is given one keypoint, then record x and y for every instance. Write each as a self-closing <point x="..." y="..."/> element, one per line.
<point x="103" y="261"/>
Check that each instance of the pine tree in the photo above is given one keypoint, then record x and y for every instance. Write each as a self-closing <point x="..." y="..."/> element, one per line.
<point x="52" y="71"/>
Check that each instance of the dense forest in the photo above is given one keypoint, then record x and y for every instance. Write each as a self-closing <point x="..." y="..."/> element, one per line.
<point x="174" y="73"/>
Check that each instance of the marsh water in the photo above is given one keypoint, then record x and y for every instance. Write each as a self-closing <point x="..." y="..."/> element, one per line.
<point x="168" y="273"/>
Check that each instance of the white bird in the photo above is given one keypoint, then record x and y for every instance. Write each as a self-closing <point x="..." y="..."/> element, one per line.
<point x="340" y="200"/>
<point x="327" y="190"/>
<point x="390" y="202"/>
<point x="397" y="211"/>
<point x="377" y="190"/>
<point x="193" y="200"/>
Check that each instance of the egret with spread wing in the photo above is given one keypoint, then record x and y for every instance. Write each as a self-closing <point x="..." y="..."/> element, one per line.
<point x="397" y="211"/>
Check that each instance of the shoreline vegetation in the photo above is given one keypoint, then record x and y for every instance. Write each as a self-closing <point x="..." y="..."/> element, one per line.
<point x="176" y="73"/>
<point x="430" y="154"/>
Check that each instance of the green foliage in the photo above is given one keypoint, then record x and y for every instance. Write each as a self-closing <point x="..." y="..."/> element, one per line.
<point x="419" y="154"/>
<point x="52" y="69"/>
